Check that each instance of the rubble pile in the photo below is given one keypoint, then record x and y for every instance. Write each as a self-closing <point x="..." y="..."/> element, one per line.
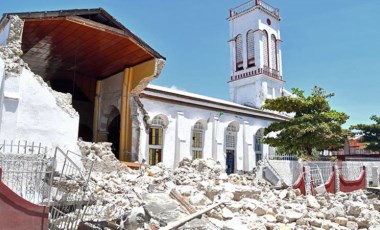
<point x="125" y="195"/>
<point x="12" y="52"/>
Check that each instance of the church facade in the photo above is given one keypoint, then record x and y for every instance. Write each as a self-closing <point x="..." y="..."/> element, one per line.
<point x="173" y="124"/>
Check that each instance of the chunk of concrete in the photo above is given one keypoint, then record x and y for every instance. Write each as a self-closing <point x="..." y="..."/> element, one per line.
<point x="161" y="207"/>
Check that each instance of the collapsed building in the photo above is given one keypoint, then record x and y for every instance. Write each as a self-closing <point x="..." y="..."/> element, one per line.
<point x="58" y="81"/>
<point x="83" y="74"/>
<point x="80" y="73"/>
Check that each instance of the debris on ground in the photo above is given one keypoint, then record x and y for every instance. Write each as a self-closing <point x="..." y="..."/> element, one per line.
<point x="140" y="199"/>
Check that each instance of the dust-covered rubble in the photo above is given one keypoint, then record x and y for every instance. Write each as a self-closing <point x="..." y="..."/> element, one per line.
<point x="249" y="203"/>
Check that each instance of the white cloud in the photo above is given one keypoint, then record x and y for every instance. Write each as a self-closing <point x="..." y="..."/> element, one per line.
<point x="177" y="88"/>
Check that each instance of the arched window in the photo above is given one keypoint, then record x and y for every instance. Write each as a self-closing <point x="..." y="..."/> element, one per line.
<point x="265" y="49"/>
<point x="258" y="145"/>
<point x="239" y="52"/>
<point x="273" y="50"/>
<point x="250" y="48"/>
<point x="158" y="121"/>
<point x="155" y="140"/>
<point x="197" y="140"/>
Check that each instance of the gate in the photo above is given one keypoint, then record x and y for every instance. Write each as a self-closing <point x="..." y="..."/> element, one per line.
<point x="70" y="192"/>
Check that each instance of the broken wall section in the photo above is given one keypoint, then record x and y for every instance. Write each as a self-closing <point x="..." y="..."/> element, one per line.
<point x="30" y="109"/>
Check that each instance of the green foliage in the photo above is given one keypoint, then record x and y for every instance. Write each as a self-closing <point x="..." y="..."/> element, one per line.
<point x="371" y="133"/>
<point x="334" y="158"/>
<point x="315" y="126"/>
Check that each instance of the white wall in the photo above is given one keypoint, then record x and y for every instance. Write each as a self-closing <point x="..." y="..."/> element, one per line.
<point x="173" y="153"/>
<point x="30" y="112"/>
<point x="110" y="98"/>
<point x="253" y="91"/>
<point x="4" y="34"/>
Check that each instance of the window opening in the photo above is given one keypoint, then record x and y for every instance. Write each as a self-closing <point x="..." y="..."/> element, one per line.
<point x="250" y="49"/>
<point x="239" y="53"/>
<point x="265" y="49"/>
<point x="155" y="140"/>
<point x="197" y="140"/>
<point x="258" y="145"/>
<point x="273" y="53"/>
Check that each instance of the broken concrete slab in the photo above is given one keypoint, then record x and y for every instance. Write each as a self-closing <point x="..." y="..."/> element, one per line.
<point x="161" y="207"/>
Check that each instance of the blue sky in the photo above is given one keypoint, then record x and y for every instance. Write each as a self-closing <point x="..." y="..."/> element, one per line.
<point x="334" y="44"/>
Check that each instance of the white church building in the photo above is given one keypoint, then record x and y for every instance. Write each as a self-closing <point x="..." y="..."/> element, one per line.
<point x="61" y="78"/>
<point x="183" y="124"/>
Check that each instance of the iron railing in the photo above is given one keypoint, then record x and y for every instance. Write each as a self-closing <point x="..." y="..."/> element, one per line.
<point x="282" y="157"/>
<point x="26" y="170"/>
<point x="265" y="70"/>
<point x="275" y="12"/>
<point x="28" y="176"/>
<point x="351" y="170"/>
<point x="56" y="180"/>
<point x="71" y="194"/>
<point x="320" y="174"/>
<point x="22" y="147"/>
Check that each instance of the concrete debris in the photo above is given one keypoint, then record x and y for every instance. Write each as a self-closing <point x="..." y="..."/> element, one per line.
<point x="139" y="199"/>
<point x="11" y="54"/>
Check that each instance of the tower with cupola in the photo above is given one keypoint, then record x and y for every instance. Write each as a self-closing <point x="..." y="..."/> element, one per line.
<point x="256" y="67"/>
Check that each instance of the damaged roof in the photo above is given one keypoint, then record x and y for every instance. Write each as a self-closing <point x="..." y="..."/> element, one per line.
<point x="89" y="42"/>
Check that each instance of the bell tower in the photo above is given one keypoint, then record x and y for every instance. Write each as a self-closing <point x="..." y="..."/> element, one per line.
<point x="255" y="53"/>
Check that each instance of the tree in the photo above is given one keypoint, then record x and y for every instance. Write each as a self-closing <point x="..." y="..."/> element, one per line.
<point x="314" y="127"/>
<point x="371" y="133"/>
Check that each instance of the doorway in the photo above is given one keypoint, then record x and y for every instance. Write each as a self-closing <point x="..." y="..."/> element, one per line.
<point x="230" y="161"/>
<point x="114" y="135"/>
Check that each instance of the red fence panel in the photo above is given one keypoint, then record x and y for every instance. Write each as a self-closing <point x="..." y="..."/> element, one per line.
<point x="300" y="183"/>
<point x="20" y="214"/>
<point x="349" y="186"/>
<point x="330" y="184"/>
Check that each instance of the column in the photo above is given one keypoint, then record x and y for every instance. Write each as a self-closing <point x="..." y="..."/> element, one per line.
<point x="245" y="148"/>
<point x="125" y="114"/>
<point x="95" y="125"/>
<point x="214" y="138"/>
<point x="178" y="138"/>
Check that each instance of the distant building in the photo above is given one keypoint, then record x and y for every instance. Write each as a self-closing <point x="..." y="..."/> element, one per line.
<point x="356" y="150"/>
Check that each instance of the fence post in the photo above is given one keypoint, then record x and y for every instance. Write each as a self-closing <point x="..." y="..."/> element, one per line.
<point x="307" y="180"/>
<point x="337" y="180"/>
<point x="375" y="177"/>
<point x="365" y="177"/>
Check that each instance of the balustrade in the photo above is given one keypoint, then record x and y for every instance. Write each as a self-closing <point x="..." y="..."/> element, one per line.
<point x="251" y="4"/>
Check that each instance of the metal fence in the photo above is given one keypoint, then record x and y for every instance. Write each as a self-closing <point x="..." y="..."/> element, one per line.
<point x="55" y="180"/>
<point x="351" y="170"/>
<point x="22" y="147"/>
<point x="316" y="177"/>
<point x="26" y="170"/>
<point x="70" y="192"/>
<point x="320" y="175"/>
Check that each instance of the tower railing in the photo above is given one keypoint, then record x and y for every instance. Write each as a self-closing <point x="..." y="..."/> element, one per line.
<point x="253" y="3"/>
<point x="273" y="73"/>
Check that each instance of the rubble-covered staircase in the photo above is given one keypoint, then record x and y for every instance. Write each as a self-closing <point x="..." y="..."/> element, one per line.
<point x="270" y="174"/>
